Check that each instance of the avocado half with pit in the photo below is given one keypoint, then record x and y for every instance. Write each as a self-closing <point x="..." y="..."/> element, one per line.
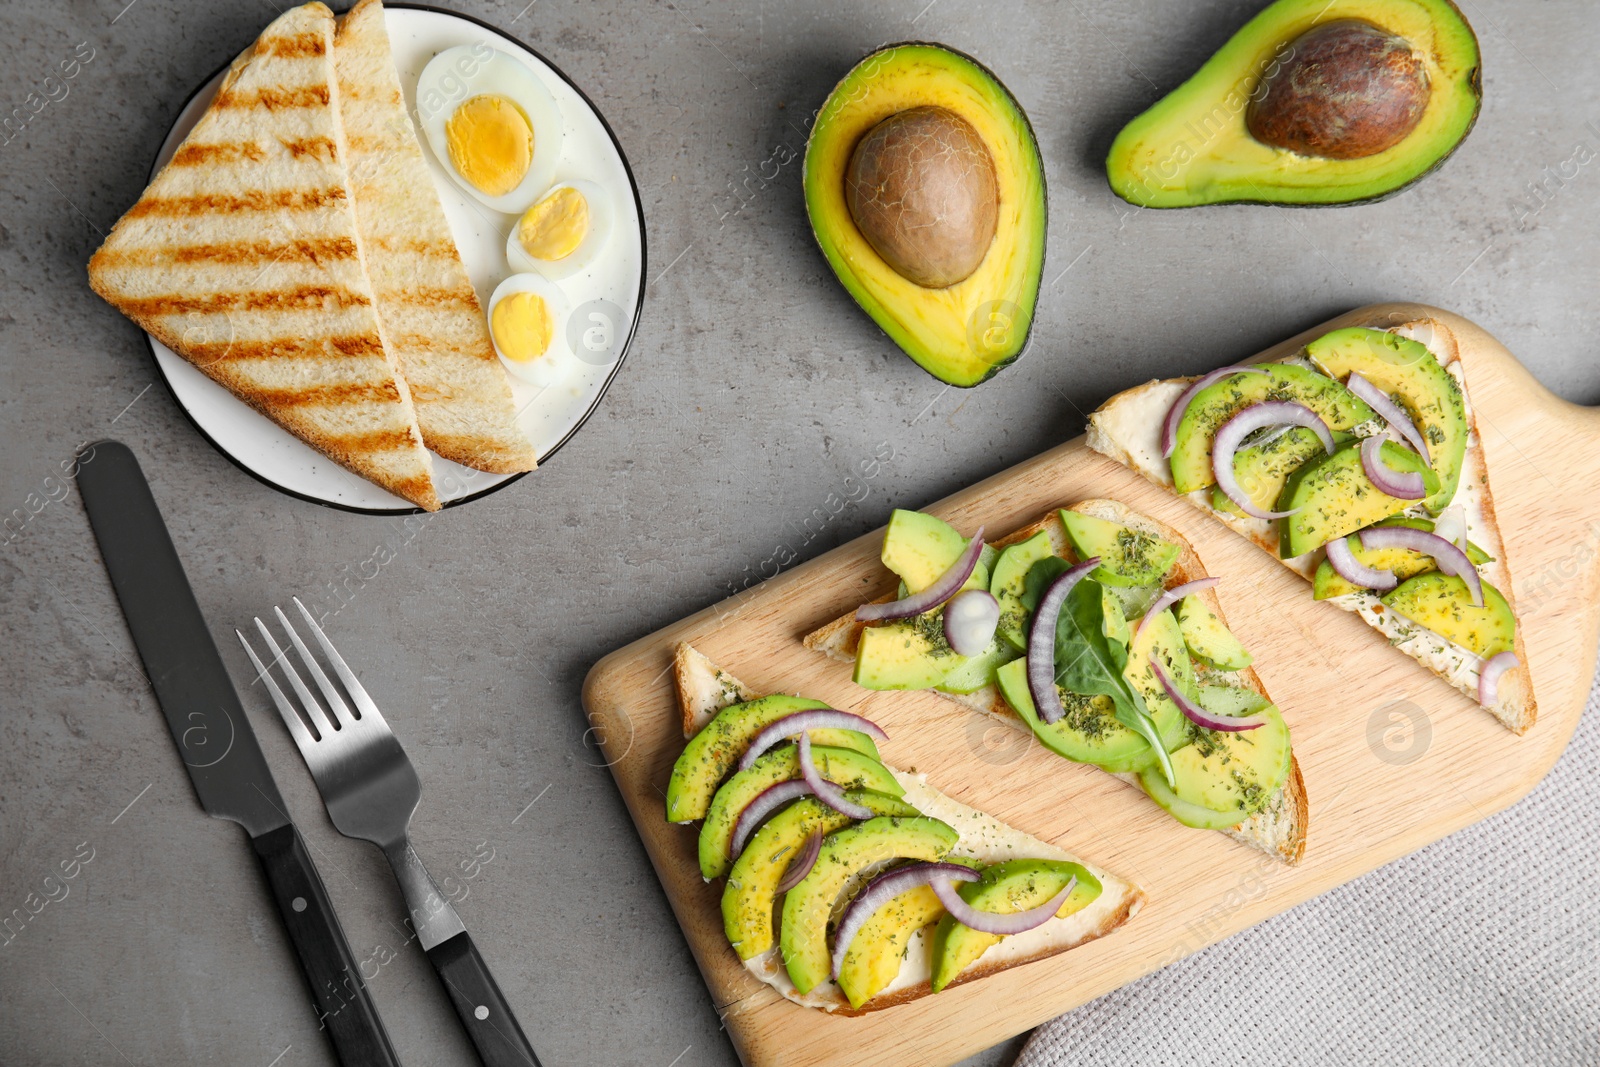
<point x="926" y="192"/>
<point x="1312" y="102"/>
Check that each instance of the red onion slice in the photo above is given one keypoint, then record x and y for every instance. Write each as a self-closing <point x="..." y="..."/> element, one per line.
<point x="765" y="803"/>
<point x="825" y="790"/>
<point x="943" y="588"/>
<point x="1171" y="597"/>
<point x="798" y="722"/>
<point x="1247" y="422"/>
<point x="1447" y="556"/>
<point x="1345" y="565"/>
<point x="1402" y="485"/>
<point x="1391" y="412"/>
<point x="1169" y="425"/>
<point x="1042" y="642"/>
<point x="884" y="888"/>
<point x="803" y="861"/>
<point x="1489" y="677"/>
<point x="1200" y="716"/>
<point x="970" y="620"/>
<point x="989" y="922"/>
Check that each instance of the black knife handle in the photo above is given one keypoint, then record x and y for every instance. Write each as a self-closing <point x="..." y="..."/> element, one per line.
<point x="478" y="1000"/>
<point x="330" y="967"/>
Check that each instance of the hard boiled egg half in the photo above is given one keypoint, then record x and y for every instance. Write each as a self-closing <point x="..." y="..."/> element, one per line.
<point x="528" y="322"/>
<point x="563" y="231"/>
<point x="492" y="124"/>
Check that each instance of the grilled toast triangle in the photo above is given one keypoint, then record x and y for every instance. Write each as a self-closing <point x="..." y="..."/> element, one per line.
<point x="243" y="257"/>
<point x="430" y="313"/>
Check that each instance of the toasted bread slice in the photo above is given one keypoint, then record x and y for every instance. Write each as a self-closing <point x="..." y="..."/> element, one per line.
<point x="705" y="689"/>
<point x="243" y="257"/>
<point x="429" y="310"/>
<point x="1127" y="429"/>
<point x="1279" y="828"/>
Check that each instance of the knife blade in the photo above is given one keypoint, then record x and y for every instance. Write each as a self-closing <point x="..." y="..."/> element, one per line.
<point x="214" y="739"/>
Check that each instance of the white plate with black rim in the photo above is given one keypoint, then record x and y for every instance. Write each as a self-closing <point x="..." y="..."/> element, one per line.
<point x="605" y="296"/>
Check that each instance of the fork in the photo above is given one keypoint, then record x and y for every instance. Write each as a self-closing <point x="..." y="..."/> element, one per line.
<point x="371" y="791"/>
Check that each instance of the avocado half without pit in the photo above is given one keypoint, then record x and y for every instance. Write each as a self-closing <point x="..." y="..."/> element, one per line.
<point x="1312" y="103"/>
<point x="925" y="191"/>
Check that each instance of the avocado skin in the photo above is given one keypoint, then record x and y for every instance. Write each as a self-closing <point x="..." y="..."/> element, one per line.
<point x="1278" y="25"/>
<point x="842" y="243"/>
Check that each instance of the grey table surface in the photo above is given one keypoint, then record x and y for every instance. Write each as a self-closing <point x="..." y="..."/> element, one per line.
<point x="753" y="390"/>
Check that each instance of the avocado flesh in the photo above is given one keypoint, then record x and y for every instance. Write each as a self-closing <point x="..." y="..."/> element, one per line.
<point x="1332" y="496"/>
<point x="1193" y="146"/>
<point x="1005" y="889"/>
<point x="906" y="654"/>
<point x="711" y="753"/>
<point x="751" y="891"/>
<point x="1207" y="639"/>
<point x="1261" y="470"/>
<point x="1010" y="579"/>
<point x="1089" y="732"/>
<point x="841" y="766"/>
<point x="1426" y="391"/>
<point x="879" y="948"/>
<point x="967" y="332"/>
<point x="1440" y="602"/>
<point x="803" y="939"/>
<point x="1128" y="557"/>
<point x="1229" y="774"/>
<point x="920" y="548"/>
<point x="1401" y="562"/>
<point x="1214" y="405"/>
<point x="978" y="671"/>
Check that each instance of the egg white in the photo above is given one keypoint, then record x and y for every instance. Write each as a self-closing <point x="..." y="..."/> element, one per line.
<point x="458" y="74"/>
<point x="601" y="221"/>
<point x="558" y="362"/>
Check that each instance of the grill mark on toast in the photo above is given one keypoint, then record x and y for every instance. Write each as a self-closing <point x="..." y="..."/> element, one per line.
<point x="278" y="348"/>
<point x="414" y="247"/>
<point x="429" y="296"/>
<point x="373" y="441"/>
<point x="303" y="298"/>
<point x="199" y="155"/>
<point x="342" y="393"/>
<point x="306" y="45"/>
<point x="316" y="147"/>
<point x="216" y="203"/>
<point x="233" y="252"/>
<point x="274" y="99"/>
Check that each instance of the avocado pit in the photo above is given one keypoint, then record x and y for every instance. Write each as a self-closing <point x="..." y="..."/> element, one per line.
<point x="1349" y="90"/>
<point x="922" y="190"/>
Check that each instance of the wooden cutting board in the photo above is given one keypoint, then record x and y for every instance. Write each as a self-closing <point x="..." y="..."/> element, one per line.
<point x="1393" y="757"/>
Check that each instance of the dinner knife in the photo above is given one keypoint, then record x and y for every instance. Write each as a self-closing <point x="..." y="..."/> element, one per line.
<point x="215" y="742"/>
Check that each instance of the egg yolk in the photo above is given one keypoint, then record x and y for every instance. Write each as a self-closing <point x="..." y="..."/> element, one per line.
<point x="491" y="143"/>
<point x="555" y="226"/>
<point x="522" y="326"/>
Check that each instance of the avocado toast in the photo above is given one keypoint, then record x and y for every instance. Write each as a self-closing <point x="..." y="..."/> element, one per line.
<point x="1245" y="782"/>
<point x="850" y="912"/>
<point x="1362" y="406"/>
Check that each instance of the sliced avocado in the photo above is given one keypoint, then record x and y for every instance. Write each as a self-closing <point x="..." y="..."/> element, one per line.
<point x="1010" y="579"/>
<point x="1090" y="731"/>
<point x="1309" y="103"/>
<point x="1116" y="623"/>
<point x="711" y="753"/>
<point x="1332" y="496"/>
<point x="964" y="332"/>
<point x="1127" y="556"/>
<point x="1217" y="403"/>
<point x="920" y="548"/>
<point x="906" y="654"/>
<point x="841" y="766"/>
<point x="845" y="853"/>
<point x="1229" y="773"/>
<point x="1208" y="639"/>
<point x="978" y="671"/>
<point x="1408" y="372"/>
<point x="1440" y="602"/>
<point x="752" y="887"/>
<point x="1261" y="470"/>
<point x="1401" y="562"/>
<point x="1192" y="815"/>
<point x="1005" y="889"/>
<point x="879" y="948"/>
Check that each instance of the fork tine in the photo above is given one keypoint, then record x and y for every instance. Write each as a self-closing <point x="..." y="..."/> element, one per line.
<point x="357" y="692"/>
<point x="336" y="705"/>
<point x="302" y="735"/>
<point x="320" y="718"/>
